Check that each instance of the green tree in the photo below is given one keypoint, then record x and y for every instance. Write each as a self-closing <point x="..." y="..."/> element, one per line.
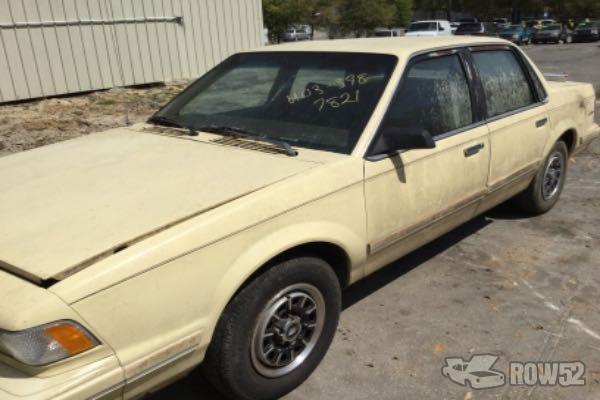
<point x="325" y="14"/>
<point x="583" y="8"/>
<point x="403" y="12"/>
<point x="279" y="14"/>
<point x="362" y="16"/>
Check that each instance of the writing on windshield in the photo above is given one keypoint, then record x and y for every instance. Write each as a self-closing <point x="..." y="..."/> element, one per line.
<point x="321" y="94"/>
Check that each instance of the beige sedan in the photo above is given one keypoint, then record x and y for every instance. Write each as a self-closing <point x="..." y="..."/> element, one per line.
<point x="222" y="232"/>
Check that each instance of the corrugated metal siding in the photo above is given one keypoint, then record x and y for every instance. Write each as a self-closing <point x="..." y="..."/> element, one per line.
<point x="96" y="44"/>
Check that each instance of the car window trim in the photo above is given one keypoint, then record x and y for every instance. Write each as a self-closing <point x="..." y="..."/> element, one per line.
<point x="470" y="74"/>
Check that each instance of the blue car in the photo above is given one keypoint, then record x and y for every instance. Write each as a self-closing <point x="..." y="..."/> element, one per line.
<point x="517" y="34"/>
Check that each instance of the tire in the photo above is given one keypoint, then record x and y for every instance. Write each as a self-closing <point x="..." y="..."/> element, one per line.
<point x="236" y="362"/>
<point x="545" y="189"/>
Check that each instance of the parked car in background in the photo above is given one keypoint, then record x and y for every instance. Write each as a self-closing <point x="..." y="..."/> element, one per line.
<point x="222" y="231"/>
<point x="587" y="32"/>
<point x="501" y="22"/>
<point x="388" y="32"/>
<point x="430" y="28"/>
<point x="538" y="23"/>
<point x="467" y="20"/>
<point x="516" y="34"/>
<point x="296" y="34"/>
<point x="552" y="34"/>
<point x="547" y="22"/>
<point x="477" y="29"/>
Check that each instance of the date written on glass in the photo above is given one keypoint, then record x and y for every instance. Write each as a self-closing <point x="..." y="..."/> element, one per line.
<point x="318" y="92"/>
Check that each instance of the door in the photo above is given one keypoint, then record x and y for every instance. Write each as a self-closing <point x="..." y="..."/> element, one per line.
<point x="416" y="195"/>
<point x="518" y="121"/>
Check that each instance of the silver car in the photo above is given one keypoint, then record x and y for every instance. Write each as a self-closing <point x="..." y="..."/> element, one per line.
<point x="293" y="35"/>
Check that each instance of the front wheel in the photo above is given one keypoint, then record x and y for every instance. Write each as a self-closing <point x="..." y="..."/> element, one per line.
<point x="545" y="189"/>
<point x="275" y="331"/>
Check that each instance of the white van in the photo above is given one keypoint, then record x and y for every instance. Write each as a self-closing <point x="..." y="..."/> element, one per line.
<point x="430" y="28"/>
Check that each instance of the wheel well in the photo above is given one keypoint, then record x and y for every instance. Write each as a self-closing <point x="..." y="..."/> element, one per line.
<point x="569" y="138"/>
<point x="333" y="254"/>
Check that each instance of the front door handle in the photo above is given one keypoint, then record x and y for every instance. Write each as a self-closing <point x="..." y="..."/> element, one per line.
<point x="541" y="122"/>
<point x="471" y="151"/>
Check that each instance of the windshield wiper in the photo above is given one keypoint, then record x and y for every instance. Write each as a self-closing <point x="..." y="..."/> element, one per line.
<point x="247" y="134"/>
<point x="166" y="121"/>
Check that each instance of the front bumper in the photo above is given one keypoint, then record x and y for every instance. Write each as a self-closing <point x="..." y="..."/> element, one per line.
<point x="585" y="37"/>
<point x="546" y="38"/>
<point x="511" y="39"/>
<point x="102" y="379"/>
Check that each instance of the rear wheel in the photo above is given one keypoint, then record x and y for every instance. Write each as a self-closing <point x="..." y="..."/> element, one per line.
<point x="545" y="189"/>
<point x="275" y="331"/>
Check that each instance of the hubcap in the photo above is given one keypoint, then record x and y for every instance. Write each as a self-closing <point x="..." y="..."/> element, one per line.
<point x="552" y="176"/>
<point x="287" y="330"/>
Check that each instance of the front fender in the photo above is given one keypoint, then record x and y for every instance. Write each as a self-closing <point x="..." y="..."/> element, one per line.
<point x="278" y="242"/>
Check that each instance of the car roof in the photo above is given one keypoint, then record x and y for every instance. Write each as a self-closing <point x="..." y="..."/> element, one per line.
<point x="430" y="20"/>
<point x="398" y="46"/>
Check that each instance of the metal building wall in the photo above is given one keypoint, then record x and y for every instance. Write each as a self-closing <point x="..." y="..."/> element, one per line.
<point x="51" y="47"/>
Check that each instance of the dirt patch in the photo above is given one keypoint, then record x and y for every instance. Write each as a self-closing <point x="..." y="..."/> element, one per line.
<point x="27" y="125"/>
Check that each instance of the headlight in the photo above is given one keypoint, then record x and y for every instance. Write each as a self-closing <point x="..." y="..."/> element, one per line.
<point x="594" y="31"/>
<point x="515" y="36"/>
<point x="47" y="343"/>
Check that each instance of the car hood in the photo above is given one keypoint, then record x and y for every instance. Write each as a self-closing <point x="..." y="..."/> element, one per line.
<point x="66" y="205"/>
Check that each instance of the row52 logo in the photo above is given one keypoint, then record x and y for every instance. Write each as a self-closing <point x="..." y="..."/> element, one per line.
<point x="478" y="372"/>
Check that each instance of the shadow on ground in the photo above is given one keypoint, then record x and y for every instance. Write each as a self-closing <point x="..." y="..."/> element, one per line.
<point x="195" y="386"/>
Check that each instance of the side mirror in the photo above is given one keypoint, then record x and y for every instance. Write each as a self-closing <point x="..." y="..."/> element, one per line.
<point x="392" y="139"/>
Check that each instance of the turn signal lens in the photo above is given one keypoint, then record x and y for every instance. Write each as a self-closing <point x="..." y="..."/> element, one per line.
<point x="48" y="343"/>
<point x="70" y="337"/>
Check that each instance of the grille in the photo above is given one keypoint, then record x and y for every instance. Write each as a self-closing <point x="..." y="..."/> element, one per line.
<point x="249" y="145"/>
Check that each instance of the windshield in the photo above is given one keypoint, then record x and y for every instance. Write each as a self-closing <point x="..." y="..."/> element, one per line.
<point x="469" y="28"/>
<point x="318" y="100"/>
<point x="586" y="25"/>
<point x="512" y="28"/>
<point x="552" y="28"/>
<point x="423" y="26"/>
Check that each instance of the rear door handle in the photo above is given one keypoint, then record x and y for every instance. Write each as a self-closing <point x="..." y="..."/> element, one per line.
<point x="471" y="151"/>
<point x="541" y="122"/>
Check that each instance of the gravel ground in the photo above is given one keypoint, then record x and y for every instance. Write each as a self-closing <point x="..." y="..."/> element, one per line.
<point x="32" y="124"/>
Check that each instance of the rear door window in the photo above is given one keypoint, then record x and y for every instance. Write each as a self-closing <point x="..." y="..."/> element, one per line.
<point x="504" y="81"/>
